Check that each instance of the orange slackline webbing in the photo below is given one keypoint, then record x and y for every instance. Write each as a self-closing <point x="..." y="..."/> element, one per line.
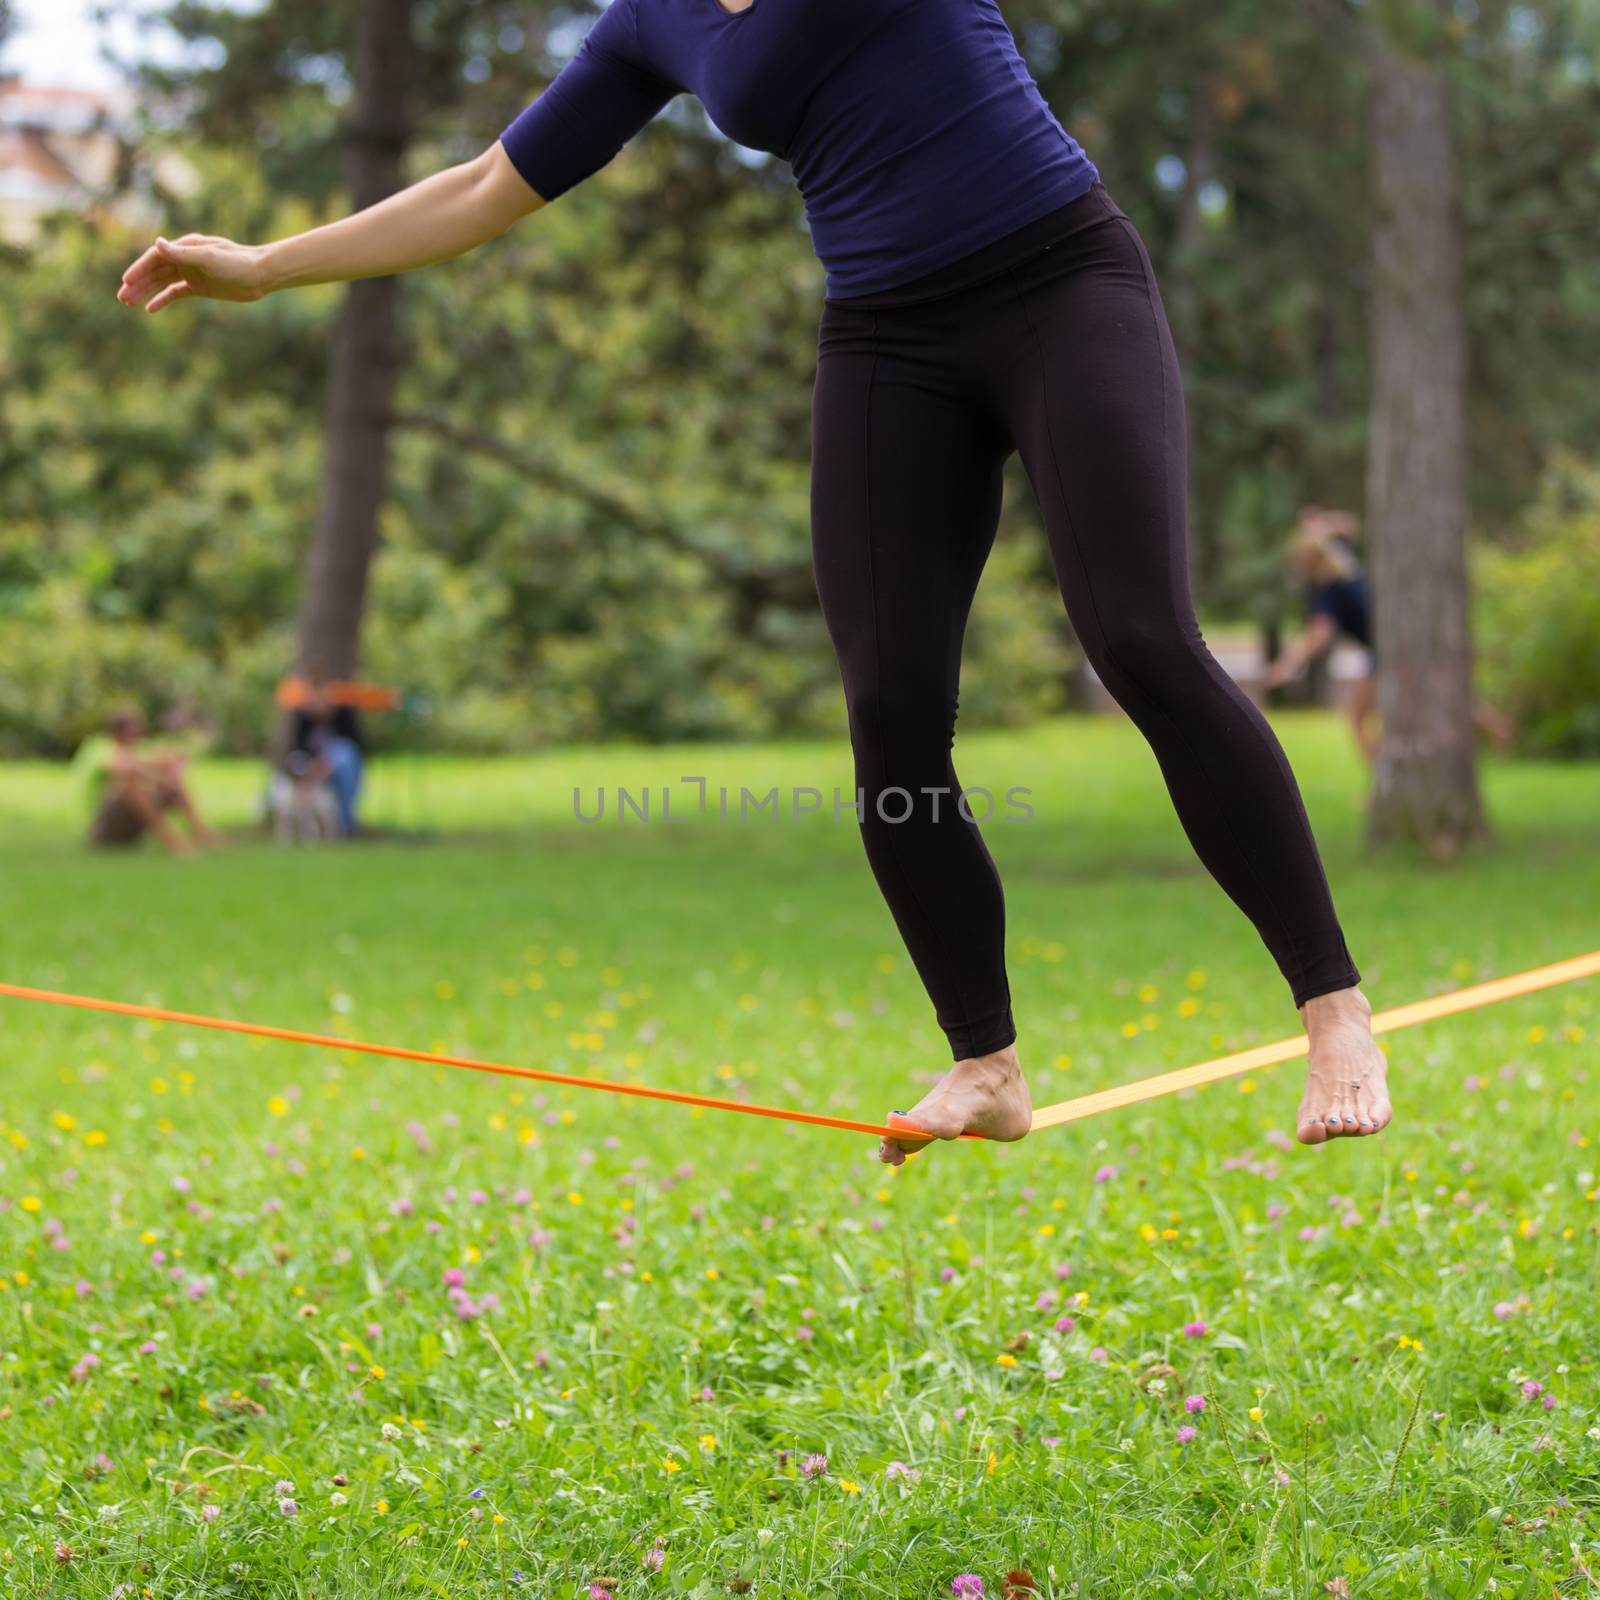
<point x="1127" y="1094"/>
<point x="332" y="1042"/>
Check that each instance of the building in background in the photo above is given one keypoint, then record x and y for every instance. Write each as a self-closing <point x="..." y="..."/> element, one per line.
<point x="72" y="150"/>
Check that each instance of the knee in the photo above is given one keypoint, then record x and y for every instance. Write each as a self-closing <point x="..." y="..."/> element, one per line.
<point x="901" y="734"/>
<point x="1150" y="658"/>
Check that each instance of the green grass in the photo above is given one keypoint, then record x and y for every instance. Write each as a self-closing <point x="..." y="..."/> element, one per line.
<point x="251" y="1229"/>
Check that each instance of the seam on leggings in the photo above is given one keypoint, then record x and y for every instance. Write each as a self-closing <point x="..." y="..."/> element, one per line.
<point x="907" y="878"/>
<point x="1094" y="606"/>
<point x="1267" y="895"/>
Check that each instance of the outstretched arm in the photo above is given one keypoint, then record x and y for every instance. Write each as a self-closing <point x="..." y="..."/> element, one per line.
<point x="443" y="216"/>
<point x="1319" y="635"/>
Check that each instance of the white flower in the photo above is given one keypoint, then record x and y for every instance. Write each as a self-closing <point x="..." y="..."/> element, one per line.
<point x="336" y="1499"/>
<point x="390" y="1432"/>
<point x="1594" y="1433"/>
<point x="1127" y="1446"/>
<point x="765" y="1536"/>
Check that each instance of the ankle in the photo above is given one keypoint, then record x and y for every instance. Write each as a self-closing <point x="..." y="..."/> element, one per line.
<point x="998" y="1063"/>
<point x="1335" y="1012"/>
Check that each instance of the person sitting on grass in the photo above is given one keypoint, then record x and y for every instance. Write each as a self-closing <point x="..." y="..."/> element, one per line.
<point x="134" y="791"/>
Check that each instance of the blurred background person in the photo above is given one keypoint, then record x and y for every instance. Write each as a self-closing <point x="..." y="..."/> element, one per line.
<point x="134" y="790"/>
<point x="1338" y="605"/>
<point x="326" y="746"/>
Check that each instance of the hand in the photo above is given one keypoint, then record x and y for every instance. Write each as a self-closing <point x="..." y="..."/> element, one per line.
<point x="196" y="264"/>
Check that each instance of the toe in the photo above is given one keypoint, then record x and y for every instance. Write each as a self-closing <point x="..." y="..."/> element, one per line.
<point x="940" y="1120"/>
<point x="891" y="1153"/>
<point x="1333" y="1118"/>
<point x="1366" y="1120"/>
<point x="916" y="1128"/>
<point x="1349" y="1116"/>
<point x="1311" y="1129"/>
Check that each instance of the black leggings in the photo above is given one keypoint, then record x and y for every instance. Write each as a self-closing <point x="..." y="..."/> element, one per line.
<point x="1051" y="341"/>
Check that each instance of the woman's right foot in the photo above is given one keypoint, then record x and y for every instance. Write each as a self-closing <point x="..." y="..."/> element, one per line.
<point x="985" y="1095"/>
<point x="1347" y="1077"/>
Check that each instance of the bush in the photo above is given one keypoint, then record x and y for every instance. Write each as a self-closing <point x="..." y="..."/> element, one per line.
<point x="60" y="677"/>
<point x="1538" y="614"/>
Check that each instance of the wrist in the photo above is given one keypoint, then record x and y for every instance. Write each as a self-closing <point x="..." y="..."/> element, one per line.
<point x="267" y="268"/>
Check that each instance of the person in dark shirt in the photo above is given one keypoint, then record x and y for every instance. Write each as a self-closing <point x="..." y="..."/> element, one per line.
<point x="325" y="740"/>
<point x="1338" y="606"/>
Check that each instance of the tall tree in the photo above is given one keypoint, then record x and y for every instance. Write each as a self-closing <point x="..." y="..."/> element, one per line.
<point x="400" y="66"/>
<point x="1425" y="783"/>
<point x="366" y="353"/>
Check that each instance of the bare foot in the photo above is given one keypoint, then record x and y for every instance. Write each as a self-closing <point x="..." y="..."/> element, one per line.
<point x="985" y="1094"/>
<point x="1347" y="1078"/>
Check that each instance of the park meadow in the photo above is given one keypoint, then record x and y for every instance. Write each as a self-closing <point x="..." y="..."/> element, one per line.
<point x="280" y="1322"/>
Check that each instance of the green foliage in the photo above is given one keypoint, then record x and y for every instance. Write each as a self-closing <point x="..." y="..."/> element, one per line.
<point x="1267" y="283"/>
<point x="59" y="679"/>
<point x="649" y="582"/>
<point x="598" y="511"/>
<point x="275" y="1223"/>
<point x="1539" y="617"/>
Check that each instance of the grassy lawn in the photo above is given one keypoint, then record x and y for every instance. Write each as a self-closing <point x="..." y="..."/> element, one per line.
<point x="504" y="1342"/>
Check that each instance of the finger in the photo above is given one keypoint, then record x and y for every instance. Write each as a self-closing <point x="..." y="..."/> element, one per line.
<point x="139" y="293"/>
<point x="154" y="260"/>
<point x="141" y="263"/>
<point x="187" y="255"/>
<point x="175" y="292"/>
<point x="133" y="294"/>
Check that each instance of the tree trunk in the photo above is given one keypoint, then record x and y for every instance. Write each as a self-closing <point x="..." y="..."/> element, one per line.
<point x="1425" y="783"/>
<point x="365" y="357"/>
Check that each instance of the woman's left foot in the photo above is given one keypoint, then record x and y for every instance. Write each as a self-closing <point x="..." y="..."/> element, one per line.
<point x="985" y="1095"/>
<point x="1347" y="1080"/>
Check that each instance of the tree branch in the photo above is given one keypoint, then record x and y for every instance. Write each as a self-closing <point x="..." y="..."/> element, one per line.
<point x="754" y="587"/>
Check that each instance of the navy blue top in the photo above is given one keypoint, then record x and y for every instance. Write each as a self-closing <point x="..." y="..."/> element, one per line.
<point x="913" y="127"/>
<point x="1345" y="600"/>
